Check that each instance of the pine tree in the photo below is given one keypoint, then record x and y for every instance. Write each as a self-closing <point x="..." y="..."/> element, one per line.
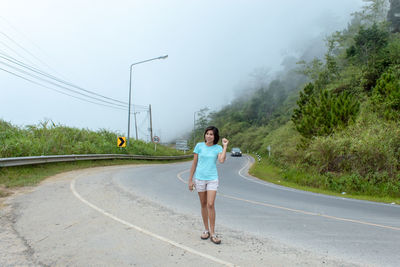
<point x="320" y="114"/>
<point x="386" y="94"/>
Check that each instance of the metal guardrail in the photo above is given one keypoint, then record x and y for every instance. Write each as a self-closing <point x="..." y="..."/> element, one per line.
<point x="19" y="161"/>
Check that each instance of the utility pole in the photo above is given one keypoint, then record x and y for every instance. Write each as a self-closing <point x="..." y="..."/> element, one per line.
<point x="151" y="125"/>
<point x="134" y="113"/>
<point x="194" y="129"/>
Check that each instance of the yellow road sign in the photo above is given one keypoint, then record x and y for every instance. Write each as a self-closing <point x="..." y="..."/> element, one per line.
<point x="121" y="141"/>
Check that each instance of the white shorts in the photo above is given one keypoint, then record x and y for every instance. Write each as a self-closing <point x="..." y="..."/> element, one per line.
<point x="206" y="185"/>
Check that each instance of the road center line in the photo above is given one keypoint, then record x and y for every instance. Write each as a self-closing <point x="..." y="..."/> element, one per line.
<point x="146" y="232"/>
<point x="293" y="210"/>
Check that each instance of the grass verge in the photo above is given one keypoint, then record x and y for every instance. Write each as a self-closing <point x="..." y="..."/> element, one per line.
<point x="12" y="177"/>
<point x="267" y="171"/>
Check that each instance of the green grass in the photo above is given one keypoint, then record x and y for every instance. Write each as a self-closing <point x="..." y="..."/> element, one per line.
<point x="267" y="171"/>
<point x="48" y="138"/>
<point x="11" y="177"/>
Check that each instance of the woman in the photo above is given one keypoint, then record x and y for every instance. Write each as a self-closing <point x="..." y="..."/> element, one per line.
<point x="205" y="174"/>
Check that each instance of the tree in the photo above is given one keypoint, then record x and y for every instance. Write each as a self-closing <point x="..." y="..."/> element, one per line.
<point x="369" y="52"/>
<point x="386" y="94"/>
<point x="201" y="123"/>
<point x="319" y="114"/>
<point x="367" y="44"/>
<point x="393" y="15"/>
<point x="311" y="69"/>
<point x="375" y="11"/>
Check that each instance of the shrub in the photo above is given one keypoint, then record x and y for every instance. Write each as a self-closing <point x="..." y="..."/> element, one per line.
<point x="283" y="142"/>
<point x="369" y="146"/>
<point x="386" y="94"/>
<point x="46" y="138"/>
<point x="319" y="114"/>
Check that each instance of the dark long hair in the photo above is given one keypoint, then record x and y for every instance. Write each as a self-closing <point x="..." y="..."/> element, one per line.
<point x="215" y="131"/>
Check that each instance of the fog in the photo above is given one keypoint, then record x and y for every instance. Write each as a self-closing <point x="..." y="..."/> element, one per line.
<point x="216" y="50"/>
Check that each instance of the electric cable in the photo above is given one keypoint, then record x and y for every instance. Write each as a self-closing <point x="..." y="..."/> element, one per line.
<point x="15" y="52"/>
<point x="15" y="74"/>
<point x="17" y="62"/>
<point x="11" y="59"/>
<point x="58" y="85"/>
<point x="33" y="43"/>
<point x="26" y="51"/>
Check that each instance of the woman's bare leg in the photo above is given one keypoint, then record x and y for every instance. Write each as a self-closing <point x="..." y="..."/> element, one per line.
<point x="204" y="211"/>
<point x="211" y="194"/>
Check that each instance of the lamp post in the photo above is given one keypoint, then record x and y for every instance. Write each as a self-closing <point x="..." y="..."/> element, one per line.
<point x="130" y="89"/>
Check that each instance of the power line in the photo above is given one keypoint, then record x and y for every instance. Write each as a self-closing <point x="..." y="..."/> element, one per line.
<point x="27" y="51"/>
<point x="27" y="38"/>
<point x="61" y="92"/>
<point x="12" y="73"/>
<point x="143" y="106"/>
<point x="58" y="85"/>
<point x="38" y="71"/>
<point x="9" y="58"/>
<point x="14" y="51"/>
<point x="144" y="120"/>
<point x="17" y="62"/>
<point x="22" y="64"/>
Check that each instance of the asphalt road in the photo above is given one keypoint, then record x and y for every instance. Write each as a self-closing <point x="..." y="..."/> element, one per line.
<point x="145" y="216"/>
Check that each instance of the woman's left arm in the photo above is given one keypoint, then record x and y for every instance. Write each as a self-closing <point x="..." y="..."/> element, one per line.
<point x="222" y="155"/>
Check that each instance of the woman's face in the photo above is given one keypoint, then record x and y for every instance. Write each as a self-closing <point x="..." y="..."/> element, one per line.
<point x="209" y="137"/>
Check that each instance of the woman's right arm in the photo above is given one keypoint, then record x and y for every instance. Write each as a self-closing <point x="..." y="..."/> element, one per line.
<point x="192" y="170"/>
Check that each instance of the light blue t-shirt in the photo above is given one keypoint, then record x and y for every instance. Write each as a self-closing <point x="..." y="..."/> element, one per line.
<point x="207" y="161"/>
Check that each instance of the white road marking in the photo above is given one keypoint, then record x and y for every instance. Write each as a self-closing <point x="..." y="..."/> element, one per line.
<point x="281" y="187"/>
<point x="254" y="180"/>
<point x="144" y="231"/>
<point x="290" y="209"/>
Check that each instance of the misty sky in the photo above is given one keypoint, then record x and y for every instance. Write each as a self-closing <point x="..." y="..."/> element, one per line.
<point x="212" y="47"/>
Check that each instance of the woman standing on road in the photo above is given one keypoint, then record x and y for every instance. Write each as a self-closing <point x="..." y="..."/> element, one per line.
<point x="204" y="170"/>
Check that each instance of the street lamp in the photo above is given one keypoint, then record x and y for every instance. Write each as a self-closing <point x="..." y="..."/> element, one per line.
<point x="130" y="90"/>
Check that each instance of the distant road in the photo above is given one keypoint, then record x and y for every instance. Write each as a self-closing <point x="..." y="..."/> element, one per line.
<point x="144" y="215"/>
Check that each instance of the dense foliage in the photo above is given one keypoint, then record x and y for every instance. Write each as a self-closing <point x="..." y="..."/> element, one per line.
<point x="320" y="114"/>
<point x="334" y="117"/>
<point x="386" y="94"/>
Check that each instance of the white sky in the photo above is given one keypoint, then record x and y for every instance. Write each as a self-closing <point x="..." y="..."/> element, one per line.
<point x="212" y="48"/>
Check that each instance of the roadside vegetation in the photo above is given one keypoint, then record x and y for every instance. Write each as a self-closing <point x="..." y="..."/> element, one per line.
<point x="332" y="121"/>
<point x="317" y="183"/>
<point x="47" y="138"/>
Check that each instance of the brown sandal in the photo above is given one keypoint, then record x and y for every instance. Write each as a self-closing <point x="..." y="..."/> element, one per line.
<point x="205" y="235"/>
<point x="215" y="239"/>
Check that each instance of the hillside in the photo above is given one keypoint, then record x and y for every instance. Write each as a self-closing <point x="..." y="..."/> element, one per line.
<point x="334" y="119"/>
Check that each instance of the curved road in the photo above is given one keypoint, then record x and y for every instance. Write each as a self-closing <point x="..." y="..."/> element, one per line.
<point x="145" y="216"/>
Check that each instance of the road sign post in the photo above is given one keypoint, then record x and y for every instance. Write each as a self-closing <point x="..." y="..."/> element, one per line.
<point x="181" y="144"/>
<point x="156" y="140"/>
<point x="121" y="141"/>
